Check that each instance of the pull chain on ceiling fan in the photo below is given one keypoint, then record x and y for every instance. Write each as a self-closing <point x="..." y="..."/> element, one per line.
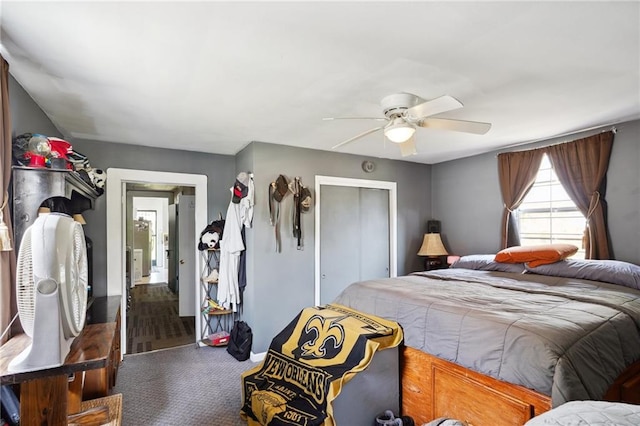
<point x="405" y="112"/>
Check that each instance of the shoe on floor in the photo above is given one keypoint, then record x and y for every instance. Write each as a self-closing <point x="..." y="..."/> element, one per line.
<point x="388" y="419"/>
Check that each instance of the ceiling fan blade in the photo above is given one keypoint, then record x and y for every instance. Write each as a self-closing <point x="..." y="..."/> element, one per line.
<point x="354" y="118"/>
<point x="475" y="127"/>
<point x="434" y="106"/>
<point x="357" y="137"/>
<point x="408" y="148"/>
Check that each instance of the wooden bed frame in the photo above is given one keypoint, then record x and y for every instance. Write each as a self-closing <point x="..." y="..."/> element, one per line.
<point x="432" y="388"/>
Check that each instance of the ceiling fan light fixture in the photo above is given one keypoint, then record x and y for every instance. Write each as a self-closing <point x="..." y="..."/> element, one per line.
<point x="400" y="131"/>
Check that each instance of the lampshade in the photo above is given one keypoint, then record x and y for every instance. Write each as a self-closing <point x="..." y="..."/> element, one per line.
<point x="432" y="246"/>
<point x="400" y="131"/>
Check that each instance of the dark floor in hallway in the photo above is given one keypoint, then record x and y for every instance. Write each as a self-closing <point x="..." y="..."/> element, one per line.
<point x="153" y="322"/>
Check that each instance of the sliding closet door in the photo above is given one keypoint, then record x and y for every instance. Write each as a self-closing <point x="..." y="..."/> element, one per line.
<point x="354" y="237"/>
<point x="339" y="240"/>
<point x="374" y="233"/>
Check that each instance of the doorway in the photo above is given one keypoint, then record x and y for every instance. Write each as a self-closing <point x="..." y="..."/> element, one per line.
<point x="150" y="219"/>
<point x="158" y="315"/>
<point x="356" y="219"/>
<point x="117" y="180"/>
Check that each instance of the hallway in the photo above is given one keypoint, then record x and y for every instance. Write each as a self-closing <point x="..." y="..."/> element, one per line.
<point x="157" y="276"/>
<point x="152" y="320"/>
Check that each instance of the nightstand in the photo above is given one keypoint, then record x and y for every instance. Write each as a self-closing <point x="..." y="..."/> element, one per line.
<point x="434" y="252"/>
<point x="433" y="263"/>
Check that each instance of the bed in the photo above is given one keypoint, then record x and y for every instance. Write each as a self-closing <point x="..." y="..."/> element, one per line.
<point x="494" y="343"/>
<point x="589" y="413"/>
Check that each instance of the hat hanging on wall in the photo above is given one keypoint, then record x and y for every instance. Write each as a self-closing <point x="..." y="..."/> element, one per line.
<point x="240" y="187"/>
<point x="280" y="188"/>
<point x="305" y="199"/>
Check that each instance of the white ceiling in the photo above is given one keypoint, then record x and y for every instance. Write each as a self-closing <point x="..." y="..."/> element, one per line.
<point x="214" y="76"/>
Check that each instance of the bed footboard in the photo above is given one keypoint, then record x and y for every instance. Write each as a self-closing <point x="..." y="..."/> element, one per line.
<point x="626" y="388"/>
<point x="432" y="388"/>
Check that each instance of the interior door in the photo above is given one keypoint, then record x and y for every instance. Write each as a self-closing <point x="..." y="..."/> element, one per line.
<point x="339" y="241"/>
<point x="374" y="233"/>
<point x="172" y="254"/>
<point x="354" y="237"/>
<point x="186" y="214"/>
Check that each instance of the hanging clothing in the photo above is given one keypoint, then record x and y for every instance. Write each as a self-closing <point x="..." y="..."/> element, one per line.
<point x="246" y="204"/>
<point x="246" y="217"/>
<point x="242" y="267"/>
<point x="277" y="191"/>
<point x="301" y="203"/>
<point x="231" y="246"/>
<point x="295" y="220"/>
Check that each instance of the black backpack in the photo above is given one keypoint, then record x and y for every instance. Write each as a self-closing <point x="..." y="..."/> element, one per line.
<point x="240" y="341"/>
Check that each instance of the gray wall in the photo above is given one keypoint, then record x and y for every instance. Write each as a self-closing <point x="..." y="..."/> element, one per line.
<point x="26" y="115"/>
<point x="220" y="170"/>
<point x="466" y="196"/>
<point x="281" y="284"/>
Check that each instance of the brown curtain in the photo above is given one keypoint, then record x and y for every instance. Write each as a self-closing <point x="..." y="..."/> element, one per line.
<point x="517" y="172"/>
<point x="7" y="258"/>
<point x="581" y="166"/>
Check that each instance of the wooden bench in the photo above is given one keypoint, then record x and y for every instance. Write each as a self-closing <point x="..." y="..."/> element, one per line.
<point x="47" y="396"/>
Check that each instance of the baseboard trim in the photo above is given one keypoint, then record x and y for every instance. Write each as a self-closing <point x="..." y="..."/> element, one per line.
<point x="257" y="357"/>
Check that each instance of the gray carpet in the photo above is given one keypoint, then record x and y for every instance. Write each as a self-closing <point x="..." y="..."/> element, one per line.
<point x="181" y="386"/>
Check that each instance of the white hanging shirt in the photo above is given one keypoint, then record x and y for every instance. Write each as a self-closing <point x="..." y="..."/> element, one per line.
<point x="231" y="246"/>
<point x="246" y="205"/>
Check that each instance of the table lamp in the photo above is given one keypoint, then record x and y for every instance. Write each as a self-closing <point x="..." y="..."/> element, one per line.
<point x="433" y="249"/>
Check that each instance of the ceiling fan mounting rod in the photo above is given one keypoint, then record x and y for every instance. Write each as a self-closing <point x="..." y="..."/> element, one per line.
<point x="398" y="103"/>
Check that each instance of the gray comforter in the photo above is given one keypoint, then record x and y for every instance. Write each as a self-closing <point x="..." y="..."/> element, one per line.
<point x="567" y="338"/>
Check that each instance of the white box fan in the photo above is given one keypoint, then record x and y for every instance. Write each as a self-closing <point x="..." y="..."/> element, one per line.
<point x="51" y="286"/>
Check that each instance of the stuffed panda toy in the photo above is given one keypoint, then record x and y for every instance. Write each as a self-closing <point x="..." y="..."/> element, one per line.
<point x="211" y="235"/>
<point x="99" y="178"/>
<point x="210" y="240"/>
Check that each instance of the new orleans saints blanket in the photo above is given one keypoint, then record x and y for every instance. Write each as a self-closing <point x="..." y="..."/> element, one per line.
<point x="308" y="363"/>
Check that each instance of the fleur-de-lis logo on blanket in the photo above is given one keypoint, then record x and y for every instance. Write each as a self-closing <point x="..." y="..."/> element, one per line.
<point x="324" y="337"/>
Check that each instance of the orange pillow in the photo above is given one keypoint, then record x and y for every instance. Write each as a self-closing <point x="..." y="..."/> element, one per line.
<point x="536" y="255"/>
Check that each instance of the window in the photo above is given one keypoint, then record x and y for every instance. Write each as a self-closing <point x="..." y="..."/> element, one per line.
<point x="547" y="214"/>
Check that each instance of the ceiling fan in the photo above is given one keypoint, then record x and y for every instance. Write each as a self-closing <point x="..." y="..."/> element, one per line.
<point x="404" y="112"/>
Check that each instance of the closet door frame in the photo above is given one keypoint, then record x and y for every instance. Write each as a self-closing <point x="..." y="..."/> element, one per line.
<point x="393" y="220"/>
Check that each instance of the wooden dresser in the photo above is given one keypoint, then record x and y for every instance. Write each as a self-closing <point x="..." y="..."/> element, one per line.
<point x="48" y="396"/>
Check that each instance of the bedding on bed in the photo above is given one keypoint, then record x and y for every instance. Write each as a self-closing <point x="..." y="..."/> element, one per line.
<point x="486" y="262"/>
<point x="594" y="413"/>
<point x="609" y="271"/>
<point x="563" y="337"/>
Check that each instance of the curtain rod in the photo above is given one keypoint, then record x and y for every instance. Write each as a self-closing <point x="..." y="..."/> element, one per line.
<point x="563" y="135"/>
